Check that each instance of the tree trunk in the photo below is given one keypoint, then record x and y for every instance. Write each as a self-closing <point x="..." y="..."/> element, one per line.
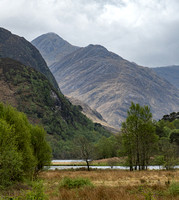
<point x="87" y="163"/>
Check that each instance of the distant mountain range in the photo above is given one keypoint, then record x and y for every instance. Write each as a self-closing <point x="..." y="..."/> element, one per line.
<point x="53" y="47"/>
<point x="108" y="83"/>
<point x="170" y="73"/>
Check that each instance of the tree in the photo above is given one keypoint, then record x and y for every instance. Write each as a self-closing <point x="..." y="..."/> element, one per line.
<point x="169" y="152"/>
<point x="41" y="149"/>
<point x="10" y="158"/>
<point x="106" y="147"/>
<point x="174" y="139"/>
<point x="84" y="149"/>
<point x="138" y="136"/>
<point x="23" y="149"/>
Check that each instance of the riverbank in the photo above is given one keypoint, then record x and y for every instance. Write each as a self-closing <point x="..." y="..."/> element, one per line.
<point x="115" y="161"/>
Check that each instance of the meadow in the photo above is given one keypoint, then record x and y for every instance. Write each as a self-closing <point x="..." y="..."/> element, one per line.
<point x="98" y="185"/>
<point x="111" y="184"/>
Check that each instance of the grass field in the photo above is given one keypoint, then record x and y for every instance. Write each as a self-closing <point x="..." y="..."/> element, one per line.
<point x="114" y="184"/>
<point x="100" y="185"/>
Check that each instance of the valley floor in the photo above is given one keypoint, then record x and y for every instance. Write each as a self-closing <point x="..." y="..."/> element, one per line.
<point x="114" y="185"/>
<point x="106" y="185"/>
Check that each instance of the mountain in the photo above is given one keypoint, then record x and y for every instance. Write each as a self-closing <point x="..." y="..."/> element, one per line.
<point x="18" y="48"/>
<point x="30" y="92"/>
<point x="108" y="83"/>
<point x="53" y="47"/>
<point x="92" y="114"/>
<point x="170" y="73"/>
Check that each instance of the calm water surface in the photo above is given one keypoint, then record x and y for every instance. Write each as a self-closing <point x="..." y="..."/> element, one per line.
<point x="96" y="167"/>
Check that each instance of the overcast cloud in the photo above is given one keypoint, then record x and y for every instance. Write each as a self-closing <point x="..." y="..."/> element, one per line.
<point x="142" y="31"/>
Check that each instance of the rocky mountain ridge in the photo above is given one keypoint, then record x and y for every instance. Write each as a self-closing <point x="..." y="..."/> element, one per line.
<point x="18" y="48"/>
<point x="108" y="83"/>
<point x="53" y="47"/>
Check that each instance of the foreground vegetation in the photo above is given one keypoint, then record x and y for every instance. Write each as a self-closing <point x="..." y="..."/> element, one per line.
<point x="99" y="185"/>
<point x="23" y="148"/>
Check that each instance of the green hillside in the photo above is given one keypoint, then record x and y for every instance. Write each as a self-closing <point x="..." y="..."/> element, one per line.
<point x="30" y="91"/>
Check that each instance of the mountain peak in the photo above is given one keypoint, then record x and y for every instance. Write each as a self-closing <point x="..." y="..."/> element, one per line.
<point x="97" y="50"/>
<point x="53" y="47"/>
<point x="51" y="36"/>
<point x="16" y="47"/>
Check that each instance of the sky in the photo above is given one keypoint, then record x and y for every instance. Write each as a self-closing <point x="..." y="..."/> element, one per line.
<point x="142" y="31"/>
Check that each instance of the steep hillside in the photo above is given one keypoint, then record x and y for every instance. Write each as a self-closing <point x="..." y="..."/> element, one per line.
<point x="108" y="83"/>
<point x="30" y="91"/>
<point x="18" y="48"/>
<point x="170" y="73"/>
<point x="53" y="47"/>
<point x="92" y="114"/>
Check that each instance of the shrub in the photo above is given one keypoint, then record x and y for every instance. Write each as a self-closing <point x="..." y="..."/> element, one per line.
<point x="37" y="192"/>
<point x="75" y="183"/>
<point x="174" y="188"/>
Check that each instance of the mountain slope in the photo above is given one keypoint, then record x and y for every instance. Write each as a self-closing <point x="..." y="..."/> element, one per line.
<point x="170" y="73"/>
<point x="30" y="91"/>
<point x="18" y="48"/>
<point x="108" y="83"/>
<point x="53" y="47"/>
<point x="92" y="114"/>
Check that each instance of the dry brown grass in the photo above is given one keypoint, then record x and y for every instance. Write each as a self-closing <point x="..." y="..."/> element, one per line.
<point x="111" y="184"/>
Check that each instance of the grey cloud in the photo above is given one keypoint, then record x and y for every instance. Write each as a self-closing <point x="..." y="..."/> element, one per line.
<point x="145" y="32"/>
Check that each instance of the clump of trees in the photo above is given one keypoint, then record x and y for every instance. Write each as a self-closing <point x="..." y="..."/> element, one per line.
<point x="23" y="148"/>
<point x="138" y="136"/>
<point x="167" y="130"/>
<point x="142" y="141"/>
<point x="145" y="141"/>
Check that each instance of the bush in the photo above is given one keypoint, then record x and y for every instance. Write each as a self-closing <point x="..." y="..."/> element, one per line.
<point x="174" y="188"/>
<point x="75" y="183"/>
<point x="37" y="192"/>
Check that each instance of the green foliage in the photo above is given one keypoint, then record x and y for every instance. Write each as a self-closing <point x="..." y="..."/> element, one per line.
<point x="10" y="158"/>
<point x="41" y="149"/>
<point x="159" y="160"/>
<point x="21" y="147"/>
<point x="174" y="136"/>
<point x="169" y="152"/>
<point x="75" y="183"/>
<point x="138" y="136"/>
<point x="43" y="104"/>
<point x="37" y="192"/>
<point x="174" y="188"/>
<point x="107" y="147"/>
